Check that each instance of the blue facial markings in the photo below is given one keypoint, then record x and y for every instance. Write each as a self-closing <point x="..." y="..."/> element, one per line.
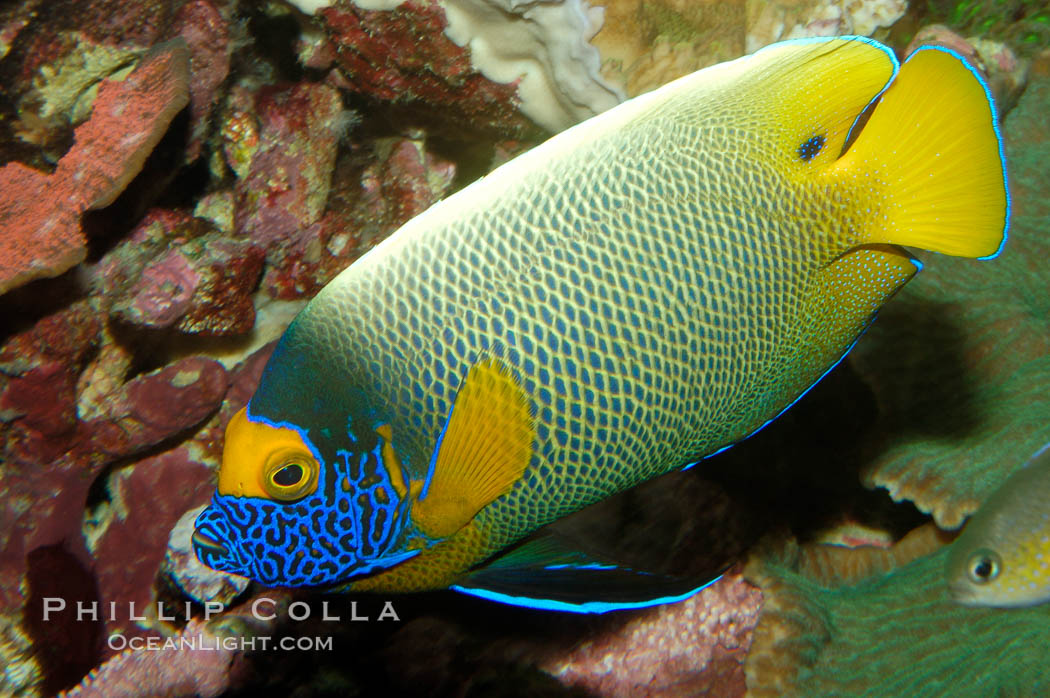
<point x="809" y="149"/>
<point x="349" y="526"/>
<point x="379" y="512"/>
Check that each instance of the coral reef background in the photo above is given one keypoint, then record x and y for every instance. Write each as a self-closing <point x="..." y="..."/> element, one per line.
<point x="178" y="177"/>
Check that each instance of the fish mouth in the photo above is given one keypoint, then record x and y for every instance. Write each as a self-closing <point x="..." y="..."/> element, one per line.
<point x="205" y="542"/>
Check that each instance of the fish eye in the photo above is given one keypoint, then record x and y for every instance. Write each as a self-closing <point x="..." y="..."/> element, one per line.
<point x="810" y="148"/>
<point x="983" y="567"/>
<point x="289" y="476"/>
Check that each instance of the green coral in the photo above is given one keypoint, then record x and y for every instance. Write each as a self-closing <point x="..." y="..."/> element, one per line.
<point x="1023" y="23"/>
<point x="894" y="634"/>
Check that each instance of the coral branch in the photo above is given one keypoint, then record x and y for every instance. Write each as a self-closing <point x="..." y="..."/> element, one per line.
<point x="40" y="213"/>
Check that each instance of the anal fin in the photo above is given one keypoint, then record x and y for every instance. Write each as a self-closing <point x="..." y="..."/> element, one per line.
<point x="544" y="573"/>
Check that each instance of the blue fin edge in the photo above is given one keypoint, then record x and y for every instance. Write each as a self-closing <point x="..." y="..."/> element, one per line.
<point x="995" y="126"/>
<point x="588" y="607"/>
<point x="918" y="268"/>
<point x="850" y="37"/>
<point x="259" y="419"/>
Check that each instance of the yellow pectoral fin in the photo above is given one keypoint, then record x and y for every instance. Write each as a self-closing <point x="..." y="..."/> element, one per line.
<point x="394" y="469"/>
<point x="484" y="449"/>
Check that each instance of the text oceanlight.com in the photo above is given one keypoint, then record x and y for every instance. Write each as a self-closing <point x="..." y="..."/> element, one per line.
<point x="210" y="643"/>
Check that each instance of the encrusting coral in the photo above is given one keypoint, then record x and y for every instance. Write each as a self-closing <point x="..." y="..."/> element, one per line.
<point x="795" y="19"/>
<point x="198" y="660"/>
<point x="646" y="44"/>
<point x="485" y="59"/>
<point x="174" y="671"/>
<point x="380" y="53"/>
<point x="40" y="213"/>
<point x="896" y="632"/>
<point x="694" y="647"/>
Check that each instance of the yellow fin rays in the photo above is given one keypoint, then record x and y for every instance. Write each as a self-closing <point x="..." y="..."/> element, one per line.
<point x="486" y="446"/>
<point x="938" y="168"/>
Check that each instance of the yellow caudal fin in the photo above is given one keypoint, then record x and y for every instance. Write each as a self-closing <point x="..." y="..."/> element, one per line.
<point x="482" y="451"/>
<point x="927" y="169"/>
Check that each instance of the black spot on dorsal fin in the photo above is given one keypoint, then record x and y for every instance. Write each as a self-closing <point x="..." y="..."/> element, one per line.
<point x="809" y="149"/>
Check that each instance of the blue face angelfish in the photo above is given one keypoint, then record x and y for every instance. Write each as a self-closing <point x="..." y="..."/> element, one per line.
<point x="636" y="294"/>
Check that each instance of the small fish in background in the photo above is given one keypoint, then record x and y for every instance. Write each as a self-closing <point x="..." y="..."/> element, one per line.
<point x="636" y="294"/>
<point x="1002" y="557"/>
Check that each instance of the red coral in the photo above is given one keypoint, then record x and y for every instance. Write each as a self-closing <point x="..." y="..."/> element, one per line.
<point x="403" y="55"/>
<point x="64" y="648"/>
<point x="119" y="22"/>
<point x="38" y="375"/>
<point x="223" y="302"/>
<point x="403" y="180"/>
<point x="40" y="213"/>
<point x="156" y="406"/>
<point x="174" y="671"/>
<point x="207" y="33"/>
<point x="163" y="291"/>
<point x="412" y="179"/>
<point x="288" y="169"/>
<point x="55" y="476"/>
<point x="203" y="285"/>
<point x="696" y="647"/>
<point x="132" y="548"/>
<point x="201" y="660"/>
<point x="42" y="235"/>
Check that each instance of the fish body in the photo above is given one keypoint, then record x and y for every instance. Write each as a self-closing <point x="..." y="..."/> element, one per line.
<point x="632" y="296"/>
<point x="1002" y="557"/>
